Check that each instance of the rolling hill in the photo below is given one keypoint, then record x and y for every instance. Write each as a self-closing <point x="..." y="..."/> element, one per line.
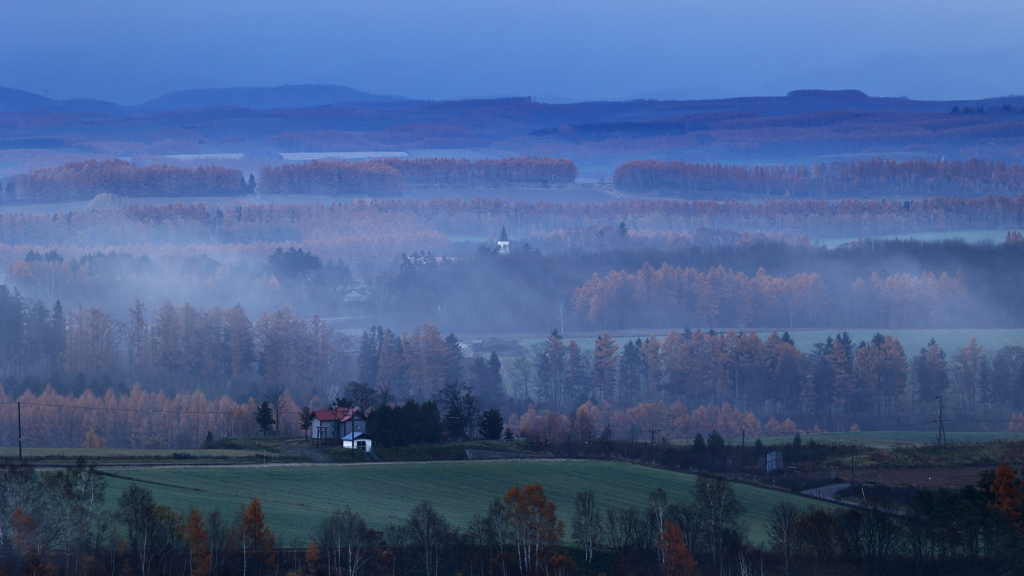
<point x="277" y="97"/>
<point x="295" y="497"/>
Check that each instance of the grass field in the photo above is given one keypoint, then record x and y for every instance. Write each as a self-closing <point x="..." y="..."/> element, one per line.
<point x="296" y="497"/>
<point x="114" y="453"/>
<point x="912" y="340"/>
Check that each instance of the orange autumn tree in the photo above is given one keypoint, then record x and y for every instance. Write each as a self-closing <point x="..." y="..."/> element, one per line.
<point x="312" y="557"/>
<point x="1006" y="490"/>
<point x="198" y="540"/>
<point x="27" y="533"/>
<point x="534" y="524"/>
<point x="677" y="558"/>
<point x="253" y="539"/>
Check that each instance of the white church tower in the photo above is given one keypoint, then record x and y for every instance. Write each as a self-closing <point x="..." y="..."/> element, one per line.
<point x="503" y="242"/>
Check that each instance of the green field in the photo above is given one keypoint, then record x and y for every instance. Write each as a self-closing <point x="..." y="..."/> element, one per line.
<point x="295" y="497"/>
<point x="912" y="340"/>
<point x="114" y="453"/>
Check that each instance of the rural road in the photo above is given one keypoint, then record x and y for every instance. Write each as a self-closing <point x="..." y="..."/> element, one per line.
<point x="826" y="492"/>
<point x="829" y="492"/>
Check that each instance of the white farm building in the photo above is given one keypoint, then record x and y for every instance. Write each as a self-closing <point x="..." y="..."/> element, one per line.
<point x="345" y="427"/>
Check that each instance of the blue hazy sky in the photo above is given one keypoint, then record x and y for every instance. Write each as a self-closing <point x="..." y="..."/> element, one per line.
<point x="130" y="51"/>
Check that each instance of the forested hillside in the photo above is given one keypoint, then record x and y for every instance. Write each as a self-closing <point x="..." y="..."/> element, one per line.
<point x="800" y="129"/>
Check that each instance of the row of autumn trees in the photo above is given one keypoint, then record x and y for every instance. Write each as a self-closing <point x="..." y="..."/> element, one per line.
<point x="245" y="223"/>
<point x="138" y="418"/>
<point x="390" y="175"/>
<point x="364" y="234"/>
<point x="735" y="382"/>
<point x="673" y="296"/>
<point x="84" y="180"/>
<point x="841" y="178"/>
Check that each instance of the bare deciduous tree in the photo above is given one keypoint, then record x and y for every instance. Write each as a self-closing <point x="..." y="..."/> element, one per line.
<point x="346" y="541"/>
<point x="362" y="396"/>
<point x="781" y="522"/>
<point x="586" y="523"/>
<point x="430" y="533"/>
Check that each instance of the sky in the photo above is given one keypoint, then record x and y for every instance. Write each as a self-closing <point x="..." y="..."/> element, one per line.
<point x="555" y="50"/>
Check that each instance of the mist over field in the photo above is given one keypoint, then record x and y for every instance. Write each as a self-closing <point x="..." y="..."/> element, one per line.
<point x="430" y="262"/>
<point x="328" y="194"/>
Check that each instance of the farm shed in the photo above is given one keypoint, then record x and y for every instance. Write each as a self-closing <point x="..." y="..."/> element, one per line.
<point x="358" y="441"/>
<point x="330" y="426"/>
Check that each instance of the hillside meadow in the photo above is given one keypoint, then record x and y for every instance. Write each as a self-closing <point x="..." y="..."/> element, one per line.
<point x="295" y="497"/>
<point x="911" y="340"/>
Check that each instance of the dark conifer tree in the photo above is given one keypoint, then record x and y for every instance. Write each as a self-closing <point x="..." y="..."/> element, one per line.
<point x="369" y="354"/>
<point x="930" y="371"/>
<point x="491" y="424"/>
<point x="453" y="358"/>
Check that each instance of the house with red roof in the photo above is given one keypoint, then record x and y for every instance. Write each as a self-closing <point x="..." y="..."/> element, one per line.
<point x="341" y="426"/>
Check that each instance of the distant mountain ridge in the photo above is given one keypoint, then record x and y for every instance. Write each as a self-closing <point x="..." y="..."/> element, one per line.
<point x="14" y="100"/>
<point x="292" y="96"/>
<point x="307" y="96"/>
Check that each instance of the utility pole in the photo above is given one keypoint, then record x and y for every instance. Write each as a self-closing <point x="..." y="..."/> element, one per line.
<point x="942" y="425"/>
<point x="653" y="432"/>
<point x="19" y="430"/>
<point x="852" y="449"/>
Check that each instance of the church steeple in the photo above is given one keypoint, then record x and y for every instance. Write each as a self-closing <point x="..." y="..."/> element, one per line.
<point x="503" y="242"/>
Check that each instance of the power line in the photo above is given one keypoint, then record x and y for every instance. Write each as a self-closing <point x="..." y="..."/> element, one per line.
<point x="69" y="407"/>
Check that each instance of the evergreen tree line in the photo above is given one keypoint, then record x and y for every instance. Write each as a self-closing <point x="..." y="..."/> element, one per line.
<point x="42" y="346"/>
<point x="420" y="363"/>
<point x="410" y="423"/>
<point x="837" y="384"/>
